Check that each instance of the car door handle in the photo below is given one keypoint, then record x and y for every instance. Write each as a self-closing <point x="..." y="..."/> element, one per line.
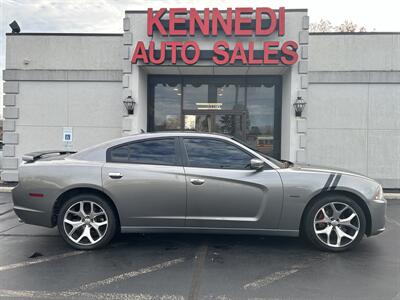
<point x="197" y="181"/>
<point x="115" y="175"/>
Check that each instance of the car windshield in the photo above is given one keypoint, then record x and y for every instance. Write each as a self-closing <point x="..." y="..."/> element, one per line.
<point x="283" y="164"/>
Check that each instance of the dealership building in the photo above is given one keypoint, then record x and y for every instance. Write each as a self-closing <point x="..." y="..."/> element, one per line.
<point x="240" y="72"/>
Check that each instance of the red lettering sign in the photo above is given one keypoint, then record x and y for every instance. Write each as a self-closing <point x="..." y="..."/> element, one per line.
<point x="238" y="22"/>
<point x="272" y="26"/>
<point x="290" y="55"/>
<point x="240" y="19"/>
<point x="203" y="23"/>
<point x="154" y="20"/>
<point x="221" y="52"/>
<point x="196" y="49"/>
<point x="140" y="53"/>
<point x="268" y="51"/>
<point x="252" y="60"/>
<point x="219" y="20"/>
<point x="281" y="31"/>
<point x="175" y="20"/>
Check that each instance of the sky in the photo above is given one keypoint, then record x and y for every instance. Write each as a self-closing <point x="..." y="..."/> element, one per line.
<point x="105" y="16"/>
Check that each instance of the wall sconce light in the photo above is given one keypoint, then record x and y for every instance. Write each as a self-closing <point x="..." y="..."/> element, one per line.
<point x="129" y="105"/>
<point x="15" y="27"/>
<point x="299" y="106"/>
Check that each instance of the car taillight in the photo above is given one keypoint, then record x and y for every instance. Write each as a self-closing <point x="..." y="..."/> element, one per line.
<point x="36" y="195"/>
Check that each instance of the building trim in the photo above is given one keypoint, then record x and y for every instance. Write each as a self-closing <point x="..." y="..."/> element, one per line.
<point x="220" y="10"/>
<point x="133" y="11"/>
<point x="10" y="87"/>
<point x="10" y="136"/>
<point x="348" y="77"/>
<point x="356" y="33"/>
<point x="62" y="75"/>
<point x="64" y="34"/>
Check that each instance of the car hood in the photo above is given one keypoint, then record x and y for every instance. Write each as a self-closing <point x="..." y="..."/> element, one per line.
<point x="325" y="169"/>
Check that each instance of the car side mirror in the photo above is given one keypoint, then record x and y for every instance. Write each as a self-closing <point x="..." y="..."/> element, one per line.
<point x="256" y="164"/>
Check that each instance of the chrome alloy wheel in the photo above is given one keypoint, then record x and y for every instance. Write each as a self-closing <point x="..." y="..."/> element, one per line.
<point x="336" y="224"/>
<point x="85" y="223"/>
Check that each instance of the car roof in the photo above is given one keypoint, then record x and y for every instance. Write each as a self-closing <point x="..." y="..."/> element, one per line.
<point x="157" y="134"/>
<point x="187" y="132"/>
<point x="94" y="152"/>
<point x="98" y="152"/>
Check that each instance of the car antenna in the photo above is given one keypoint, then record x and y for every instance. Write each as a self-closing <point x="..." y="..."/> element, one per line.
<point x="142" y="131"/>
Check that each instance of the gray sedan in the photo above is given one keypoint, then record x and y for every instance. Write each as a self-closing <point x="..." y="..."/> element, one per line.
<point x="193" y="182"/>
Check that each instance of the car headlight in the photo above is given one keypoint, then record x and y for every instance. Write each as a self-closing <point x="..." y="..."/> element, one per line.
<point x="378" y="193"/>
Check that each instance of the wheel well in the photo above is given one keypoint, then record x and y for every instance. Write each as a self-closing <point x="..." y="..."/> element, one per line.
<point x="76" y="191"/>
<point x="353" y="196"/>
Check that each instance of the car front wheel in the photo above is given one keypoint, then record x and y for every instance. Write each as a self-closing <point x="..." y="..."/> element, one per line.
<point x="335" y="223"/>
<point x="86" y="222"/>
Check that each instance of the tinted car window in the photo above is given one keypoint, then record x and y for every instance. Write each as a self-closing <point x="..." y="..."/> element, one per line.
<point x="210" y="153"/>
<point x="157" y="152"/>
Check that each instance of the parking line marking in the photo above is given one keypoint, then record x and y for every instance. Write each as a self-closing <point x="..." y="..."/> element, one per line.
<point x="128" y="275"/>
<point x="201" y="258"/>
<point x="6" y="212"/>
<point x="285" y="273"/>
<point x="28" y="235"/>
<point x="269" y="279"/>
<point x="40" y="260"/>
<point x="10" y="228"/>
<point x="84" y="295"/>
<point x="390" y="220"/>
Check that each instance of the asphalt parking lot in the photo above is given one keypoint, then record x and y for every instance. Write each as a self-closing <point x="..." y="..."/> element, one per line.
<point x="171" y="266"/>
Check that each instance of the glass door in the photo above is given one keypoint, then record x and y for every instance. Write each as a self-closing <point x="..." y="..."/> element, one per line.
<point x="247" y="107"/>
<point x="198" y="122"/>
<point x="229" y="123"/>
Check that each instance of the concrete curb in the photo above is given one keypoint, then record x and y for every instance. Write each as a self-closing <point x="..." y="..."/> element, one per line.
<point x="388" y="196"/>
<point x="392" y="196"/>
<point x="6" y="189"/>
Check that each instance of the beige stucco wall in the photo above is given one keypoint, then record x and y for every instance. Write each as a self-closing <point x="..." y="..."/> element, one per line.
<point x="353" y="112"/>
<point x="57" y="81"/>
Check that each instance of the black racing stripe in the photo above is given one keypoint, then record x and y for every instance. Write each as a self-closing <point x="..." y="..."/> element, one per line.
<point x="328" y="182"/>
<point x="335" y="182"/>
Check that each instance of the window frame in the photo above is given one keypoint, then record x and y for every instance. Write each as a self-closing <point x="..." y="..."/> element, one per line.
<point x="277" y="80"/>
<point x="185" y="156"/>
<point x="178" y="154"/>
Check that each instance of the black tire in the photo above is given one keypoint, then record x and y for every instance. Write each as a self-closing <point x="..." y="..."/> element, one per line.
<point x="109" y="232"/>
<point x="311" y="214"/>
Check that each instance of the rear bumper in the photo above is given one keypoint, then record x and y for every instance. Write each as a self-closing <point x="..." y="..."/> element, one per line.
<point x="377" y="210"/>
<point x="33" y="217"/>
<point x="31" y="210"/>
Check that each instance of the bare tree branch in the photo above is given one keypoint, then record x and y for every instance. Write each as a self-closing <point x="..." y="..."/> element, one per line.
<point x="326" y="26"/>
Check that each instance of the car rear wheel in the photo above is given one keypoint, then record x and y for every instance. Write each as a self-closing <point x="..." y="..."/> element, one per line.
<point x="86" y="222"/>
<point x="335" y="223"/>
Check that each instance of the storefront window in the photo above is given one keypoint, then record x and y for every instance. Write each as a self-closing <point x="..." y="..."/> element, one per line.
<point x="246" y="107"/>
<point x="230" y="124"/>
<point x="261" y="112"/>
<point x="167" y="106"/>
<point x="201" y="123"/>
<point x="232" y="96"/>
<point x="203" y="93"/>
<point x="194" y="94"/>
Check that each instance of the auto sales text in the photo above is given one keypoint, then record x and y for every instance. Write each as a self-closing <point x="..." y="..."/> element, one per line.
<point x="212" y="22"/>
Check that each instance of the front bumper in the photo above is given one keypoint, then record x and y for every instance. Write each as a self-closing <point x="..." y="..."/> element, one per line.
<point x="377" y="209"/>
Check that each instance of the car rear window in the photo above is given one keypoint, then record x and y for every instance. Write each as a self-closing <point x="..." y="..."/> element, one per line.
<point x="155" y="151"/>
